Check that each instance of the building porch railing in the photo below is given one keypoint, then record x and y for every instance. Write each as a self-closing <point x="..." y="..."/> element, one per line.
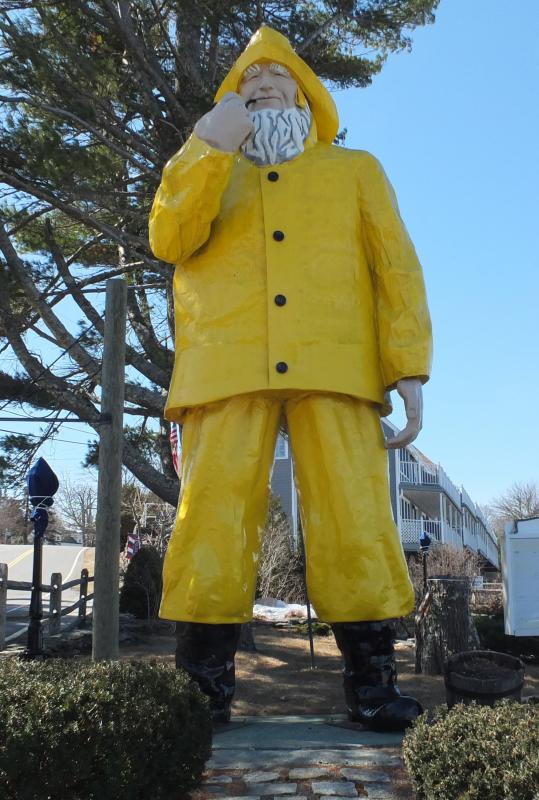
<point x="420" y="475"/>
<point x="438" y="531"/>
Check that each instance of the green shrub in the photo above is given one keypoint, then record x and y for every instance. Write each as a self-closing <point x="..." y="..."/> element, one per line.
<point x="491" y="630"/>
<point x="319" y="628"/>
<point x="475" y="753"/>
<point x="100" y="731"/>
<point x="141" y="590"/>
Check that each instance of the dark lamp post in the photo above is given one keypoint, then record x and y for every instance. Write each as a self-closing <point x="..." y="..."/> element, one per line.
<point x="42" y="485"/>
<point x="424" y="544"/>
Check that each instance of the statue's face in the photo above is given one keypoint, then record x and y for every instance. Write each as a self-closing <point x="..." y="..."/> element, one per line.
<point x="268" y="86"/>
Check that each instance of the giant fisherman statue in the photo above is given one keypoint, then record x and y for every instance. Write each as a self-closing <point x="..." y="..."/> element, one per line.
<point x="298" y="295"/>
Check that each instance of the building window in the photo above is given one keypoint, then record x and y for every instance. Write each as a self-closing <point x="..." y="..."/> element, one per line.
<point x="281" y="449"/>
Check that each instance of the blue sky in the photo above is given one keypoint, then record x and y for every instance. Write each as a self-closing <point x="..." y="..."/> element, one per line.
<point x="455" y="124"/>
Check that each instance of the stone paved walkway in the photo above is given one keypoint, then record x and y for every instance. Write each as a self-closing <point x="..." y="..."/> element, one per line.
<point x="302" y="757"/>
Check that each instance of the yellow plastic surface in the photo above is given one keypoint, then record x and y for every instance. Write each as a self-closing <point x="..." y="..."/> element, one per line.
<point x="355" y="319"/>
<point x="269" y="45"/>
<point x="322" y="231"/>
<point x="355" y="564"/>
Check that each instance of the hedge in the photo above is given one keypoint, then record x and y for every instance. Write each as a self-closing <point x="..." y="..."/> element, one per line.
<point x="475" y="753"/>
<point x="491" y="630"/>
<point x="100" y="731"/>
<point x="141" y="590"/>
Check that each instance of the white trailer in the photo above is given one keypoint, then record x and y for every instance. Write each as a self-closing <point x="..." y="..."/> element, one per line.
<point x="520" y="574"/>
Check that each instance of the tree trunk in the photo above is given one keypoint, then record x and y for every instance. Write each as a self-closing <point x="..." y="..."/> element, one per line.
<point x="443" y="624"/>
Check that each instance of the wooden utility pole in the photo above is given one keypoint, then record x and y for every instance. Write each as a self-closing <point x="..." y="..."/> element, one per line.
<point x="106" y="611"/>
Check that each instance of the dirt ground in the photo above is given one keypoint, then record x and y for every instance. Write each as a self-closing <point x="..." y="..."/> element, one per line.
<point x="278" y="678"/>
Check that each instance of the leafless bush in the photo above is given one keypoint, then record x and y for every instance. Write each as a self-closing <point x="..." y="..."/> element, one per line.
<point x="150" y="516"/>
<point x="124" y="563"/>
<point x="443" y="560"/>
<point x="77" y="503"/>
<point x="13" y="527"/>
<point x="487" y="601"/>
<point x="280" y="571"/>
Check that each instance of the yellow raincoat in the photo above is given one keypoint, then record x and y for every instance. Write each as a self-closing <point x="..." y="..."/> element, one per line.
<point x="290" y="279"/>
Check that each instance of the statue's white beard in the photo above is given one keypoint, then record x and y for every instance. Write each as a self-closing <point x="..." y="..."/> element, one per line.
<point x="278" y="136"/>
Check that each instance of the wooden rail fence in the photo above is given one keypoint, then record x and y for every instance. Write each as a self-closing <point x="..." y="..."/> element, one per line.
<point x="54" y="590"/>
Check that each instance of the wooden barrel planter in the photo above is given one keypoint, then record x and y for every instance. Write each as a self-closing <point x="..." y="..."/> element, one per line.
<point x="484" y="676"/>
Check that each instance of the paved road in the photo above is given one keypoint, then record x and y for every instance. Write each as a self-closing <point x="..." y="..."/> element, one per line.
<point x="66" y="559"/>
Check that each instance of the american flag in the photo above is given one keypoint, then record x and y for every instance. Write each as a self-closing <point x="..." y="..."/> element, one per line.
<point x="176" y="447"/>
<point x="133" y="544"/>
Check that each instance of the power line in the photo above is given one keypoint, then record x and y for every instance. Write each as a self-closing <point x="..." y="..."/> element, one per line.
<point x="37" y="436"/>
<point x="101" y="420"/>
<point x="25" y="418"/>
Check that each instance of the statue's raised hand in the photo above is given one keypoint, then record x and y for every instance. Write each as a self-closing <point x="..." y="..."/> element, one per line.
<point x="227" y="125"/>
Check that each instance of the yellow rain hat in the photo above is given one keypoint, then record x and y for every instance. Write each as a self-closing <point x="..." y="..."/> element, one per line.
<point x="270" y="45"/>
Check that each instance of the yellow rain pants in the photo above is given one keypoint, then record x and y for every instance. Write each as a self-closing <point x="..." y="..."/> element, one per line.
<point x="355" y="563"/>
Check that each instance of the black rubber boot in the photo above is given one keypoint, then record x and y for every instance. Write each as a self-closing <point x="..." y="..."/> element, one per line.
<point x="370" y="677"/>
<point x="207" y="653"/>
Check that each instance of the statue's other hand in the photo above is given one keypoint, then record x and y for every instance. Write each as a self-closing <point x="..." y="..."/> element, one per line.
<point x="412" y="393"/>
<point x="227" y="125"/>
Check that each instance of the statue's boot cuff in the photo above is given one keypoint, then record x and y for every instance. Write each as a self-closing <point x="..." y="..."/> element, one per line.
<point x="395" y="713"/>
<point x="370" y="677"/>
<point x="206" y="653"/>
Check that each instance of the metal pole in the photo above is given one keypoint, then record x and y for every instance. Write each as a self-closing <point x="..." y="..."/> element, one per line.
<point x="307" y="601"/>
<point x="35" y="634"/>
<point x="109" y="488"/>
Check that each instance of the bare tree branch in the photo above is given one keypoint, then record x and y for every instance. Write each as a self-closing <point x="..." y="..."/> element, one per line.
<point x="63" y="337"/>
<point x="166" y="488"/>
<point x="143" y="327"/>
<point x="146" y="367"/>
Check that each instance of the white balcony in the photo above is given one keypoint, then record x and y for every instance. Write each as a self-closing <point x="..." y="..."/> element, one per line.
<point x="488" y="548"/>
<point x="452" y="536"/>
<point x="492" y="554"/>
<point x="470" y="538"/>
<point x="486" y="539"/>
<point x="429" y="477"/>
<point x="411" y="530"/>
<point x="413" y="472"/>
<point x="467" y="501"/>
<point x="480" y="517"/>
<point x="481" y="540"/>
<point x="438" y="531"/>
